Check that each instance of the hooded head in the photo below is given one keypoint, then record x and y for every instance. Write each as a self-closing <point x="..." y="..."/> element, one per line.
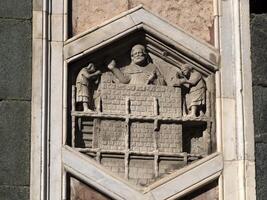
<point x="186" y="69"/>
<point x="91" y="68"/>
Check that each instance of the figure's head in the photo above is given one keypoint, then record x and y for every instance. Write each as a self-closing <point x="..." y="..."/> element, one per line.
<point x="186" y="69"/>
<point x="91" y="67"/>
<point x="139" y="55"/>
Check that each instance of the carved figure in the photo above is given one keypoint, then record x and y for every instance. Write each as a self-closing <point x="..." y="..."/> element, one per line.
<point x="86" y="80"/>
<point x="194" y="90"/>
<point x="140" y="71"/>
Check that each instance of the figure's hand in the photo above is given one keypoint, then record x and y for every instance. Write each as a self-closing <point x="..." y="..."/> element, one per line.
<point x="98" y="72"/>
<point x="182" y="80"/>
<point x="179" y="74"/>
<point x="112" y="65"/>
<point x="151" y="77"/>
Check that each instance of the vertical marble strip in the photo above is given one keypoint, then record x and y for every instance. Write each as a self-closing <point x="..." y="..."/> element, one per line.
<point x="156" y="106"/>
<point x="155" y="141"/>
<point x="127" y="144"/>
<point x="98" y="156"/>
<point x="126" y="164"/>
<point x="208" y="105"/>
<point x="207" y="138"/>
<point x="127" y="105"/>
<point x="73" y="99"/>
<point x="127" y="133"/>
<point x="156" y="163"/>
<point x="73" y="118"/>
<point x="65" y="102"/>
<point x="73" y="131"/>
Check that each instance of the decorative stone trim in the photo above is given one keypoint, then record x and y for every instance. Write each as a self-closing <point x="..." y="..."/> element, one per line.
<point x="234" y="121"/>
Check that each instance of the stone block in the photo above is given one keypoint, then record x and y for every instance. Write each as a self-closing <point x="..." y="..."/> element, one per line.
<point x="14" y="193"/>
<point x="15" y="65"/>
<point x="261" y="170"/>
<point x="16" y="9"/>
<point x="259" y="49"/>
<point x="260" y="113"/>
<point x="15" y="142"/>
<point x="193" y="16"/>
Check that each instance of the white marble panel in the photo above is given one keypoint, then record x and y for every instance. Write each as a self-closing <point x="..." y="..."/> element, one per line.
<point x="37" y="25"/>
<point x="229" y="137"/>
<point x="57" y="27"/>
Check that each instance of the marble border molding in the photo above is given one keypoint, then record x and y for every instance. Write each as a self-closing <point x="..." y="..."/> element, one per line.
<point x="234" y="101"/>
<point x="47" y="121"/>
<point x="193" y="176"/>
<point x="50" y="159"/>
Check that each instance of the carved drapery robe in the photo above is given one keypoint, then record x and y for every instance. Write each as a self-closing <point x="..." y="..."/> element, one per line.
<point x="140" y="75"/>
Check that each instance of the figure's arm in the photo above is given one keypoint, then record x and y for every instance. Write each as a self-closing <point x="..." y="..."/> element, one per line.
<point x="177" y="83"/>
<point x="119" y="75"/>
<point x="179" y="74"/>
<point x="96" y="73"/>
<point x="88" y="75"/>
<point x="160" y="80"/>
<point x="179" y="79"/>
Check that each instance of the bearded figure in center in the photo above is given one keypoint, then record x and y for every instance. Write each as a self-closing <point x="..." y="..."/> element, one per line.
<point x="141" y="70"/>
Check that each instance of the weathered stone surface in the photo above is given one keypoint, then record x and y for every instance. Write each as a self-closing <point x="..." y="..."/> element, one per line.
<point x="80" y="191"/>
<point x="87" y="14"/>
<point x="16" y="9"/>
<point x="260" y="113"/>
<point x="15" y="56"/>
<point x="15" y="142"/>
<point x="259" y="49"/>
<point x="114" y="165"/>
<point x="261" y="166"/>
<point x="142" y="99"/>
<point x="208" y="192"/>
<point x="14" y="193"/>
<point x="141" y="172"/>
<point x="111" y="135"/>
<point x="194" y="16"/>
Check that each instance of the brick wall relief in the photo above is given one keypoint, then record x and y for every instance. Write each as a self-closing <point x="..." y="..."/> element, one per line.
<point x="141" y="108"/>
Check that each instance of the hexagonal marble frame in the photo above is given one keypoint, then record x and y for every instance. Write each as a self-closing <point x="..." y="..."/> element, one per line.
<point x="192" y="176"/>
<point x="233" y="83"/>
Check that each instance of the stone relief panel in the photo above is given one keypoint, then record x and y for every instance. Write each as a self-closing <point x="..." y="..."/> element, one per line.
<point x="194" y="16"/>
<point x="140" y="110"/>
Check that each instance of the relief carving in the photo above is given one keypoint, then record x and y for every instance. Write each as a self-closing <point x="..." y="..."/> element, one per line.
<point x="193" y="89"/>
<point x="86" y="80"/>
<point x="138" y="122"/>
<point x="140" y="106"/>
<point x="141" y="71"/>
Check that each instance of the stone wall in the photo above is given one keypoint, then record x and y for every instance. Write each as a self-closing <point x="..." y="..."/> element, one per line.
<point x="259" y="72"/>
<point x="141" y="99"/>
<point x="170" y="138"/>
<point x="15" y="98"/>
<point x="194" y="16"/>
<point x="114" y="165"/>
<point x="141" y="171"/>
<point x="111" y="135"/>
<point x="141" y="137"/>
